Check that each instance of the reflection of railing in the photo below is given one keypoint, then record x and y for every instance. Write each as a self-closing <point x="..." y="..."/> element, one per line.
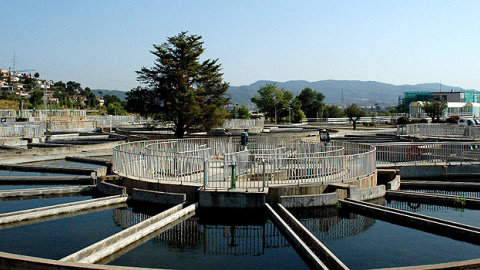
<point x="221" y="163"/>
<point x="244" y="239"/>
<point x="125" y="218"/>
<point x="414" y="207"/>
<point x="434" y="152"/>
<point x="471" y="194"/>
<point x="336" y="228"/>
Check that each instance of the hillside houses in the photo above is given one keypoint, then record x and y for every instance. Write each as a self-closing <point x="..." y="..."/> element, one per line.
<point x="22" y="86"/>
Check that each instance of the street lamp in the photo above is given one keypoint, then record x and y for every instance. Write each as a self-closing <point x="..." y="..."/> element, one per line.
<point x="289" y="115"/>
<point x="275" y="114"/>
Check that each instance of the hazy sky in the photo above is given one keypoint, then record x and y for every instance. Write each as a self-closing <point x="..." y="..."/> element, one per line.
<point x="102" y="43"/>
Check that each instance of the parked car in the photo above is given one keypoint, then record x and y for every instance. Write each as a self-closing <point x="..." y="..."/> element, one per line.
<point x="466" y="122"/>
<point x="220" y="132"/>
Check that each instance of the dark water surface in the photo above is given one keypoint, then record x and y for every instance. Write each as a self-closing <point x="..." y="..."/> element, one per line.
<point x="364" y="243"/>
<point x="194" y="245"/>
<point x="59" y="238"/>
<point x="18" y="205"/>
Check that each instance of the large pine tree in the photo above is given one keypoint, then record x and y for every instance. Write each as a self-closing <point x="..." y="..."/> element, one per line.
<point x="180" y="87"/>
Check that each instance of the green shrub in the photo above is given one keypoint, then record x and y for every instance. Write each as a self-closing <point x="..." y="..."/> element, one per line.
<point x="403" y="120"/>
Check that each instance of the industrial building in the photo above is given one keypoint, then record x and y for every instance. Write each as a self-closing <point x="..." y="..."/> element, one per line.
<point x="462" y="103"/>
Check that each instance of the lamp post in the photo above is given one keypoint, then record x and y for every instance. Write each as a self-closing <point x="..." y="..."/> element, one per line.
<point x="275" y="114"/>
<point x="289" y="115"/>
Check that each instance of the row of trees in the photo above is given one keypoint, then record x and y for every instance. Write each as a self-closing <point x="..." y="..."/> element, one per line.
<point x="281" y="103"/>
<point x="191" y="93"/>
<point x="278" y="103"/>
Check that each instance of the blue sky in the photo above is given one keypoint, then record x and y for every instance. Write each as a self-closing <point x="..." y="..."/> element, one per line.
<point x="102" y="43"/>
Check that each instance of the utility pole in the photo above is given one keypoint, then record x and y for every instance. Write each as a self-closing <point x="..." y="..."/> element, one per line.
<point x="343" y="103"/>
<point x="289" y="115"/>
<point x="275" y="114"/>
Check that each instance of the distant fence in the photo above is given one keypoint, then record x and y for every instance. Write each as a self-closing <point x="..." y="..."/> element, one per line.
<point x="115" y="120"/>
<point x="428" y="152"/>
<point x="26" y="130"/>
<point x="439" y="130"/>
<point x="345" y="120"/>
<point x="42" y="114"/>
<point x="71" y="126"/>
<point x="253" y="125"/>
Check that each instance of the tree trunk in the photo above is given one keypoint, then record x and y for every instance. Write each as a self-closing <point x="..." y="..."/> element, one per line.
<point x="179" y="132"/>
<point x="354" y="124"/>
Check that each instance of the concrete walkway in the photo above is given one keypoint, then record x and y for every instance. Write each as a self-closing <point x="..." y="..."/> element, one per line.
<point x="59" y="209"/>
<point x="117" y="242"/>
<point x="33" y="192"/>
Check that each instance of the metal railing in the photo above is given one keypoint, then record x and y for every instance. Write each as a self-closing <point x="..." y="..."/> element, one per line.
<point x="253" y="125"/>
<point x="114" y="120"/>
<point x="221" y="164"/>
<point x="27" y="130"/>
<point x="439" y="130"/>
<point x="42" y="114"/>
<point x="428" y="152"/>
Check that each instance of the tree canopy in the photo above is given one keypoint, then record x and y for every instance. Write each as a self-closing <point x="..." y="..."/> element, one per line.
<point x="311" y="102"/>
<point x="271" y="99"/>
<point x="179" y="87"/>
<point x="435" y="109"/>
<point x="354" y="113"/>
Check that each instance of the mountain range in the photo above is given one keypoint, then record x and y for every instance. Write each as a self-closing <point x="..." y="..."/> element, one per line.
<point x="360" y="92"/>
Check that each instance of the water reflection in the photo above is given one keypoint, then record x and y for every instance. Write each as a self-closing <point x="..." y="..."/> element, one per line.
<point x="330" y="224"/>
<point x="235" y="241"/>
<point x="472" y="194"/>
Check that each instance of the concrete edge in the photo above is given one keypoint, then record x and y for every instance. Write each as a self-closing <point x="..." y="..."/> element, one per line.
<point x="394" y="184"/>
<point x="21" y="262"/>
<point x="66" y="205"/>
<point x="467" y="264"/>
<point x="138" y="236"/>
<point x="88" y="251"/>
<point x="111" y="189"/>
<point x="366" y="193"/>
<point x="327" y="256"/>
<point x="295" y="201"/>
<point x="303" y="250"/>
<point x="44" y="191"/>
<point x="161" y="197"/>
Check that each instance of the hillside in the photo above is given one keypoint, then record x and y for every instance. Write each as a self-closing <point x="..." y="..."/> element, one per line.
<point x="360" y="92"/>
<point x="120" y="94"/>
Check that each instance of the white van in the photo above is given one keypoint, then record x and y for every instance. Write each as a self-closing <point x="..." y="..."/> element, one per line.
<point x="466" y="122"/>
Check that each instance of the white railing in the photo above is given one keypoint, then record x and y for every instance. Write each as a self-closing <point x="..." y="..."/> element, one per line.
<point x="115" y="120"/>
<point x="439" y="130"/>
<point x="253" y="125"/>
<point x="346" y="120"/>
<point x="71" y="126"/>
<point x="423" y="152"/>
<point x="222" y="164"/>
<point x="42" y="114"/>
<point x="26" y="130"/>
